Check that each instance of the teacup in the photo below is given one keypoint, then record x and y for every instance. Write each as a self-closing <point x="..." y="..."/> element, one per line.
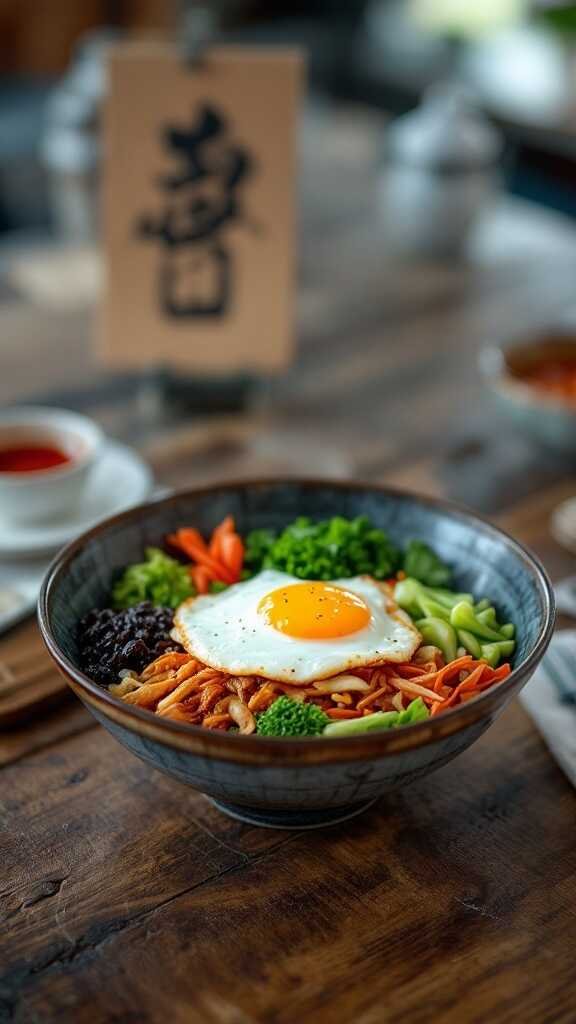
<point x="46" y="456"/>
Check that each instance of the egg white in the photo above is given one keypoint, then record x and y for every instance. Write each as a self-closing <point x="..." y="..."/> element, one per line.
<point x="226" y="632"/>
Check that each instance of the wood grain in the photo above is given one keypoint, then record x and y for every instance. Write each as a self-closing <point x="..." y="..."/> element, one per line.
<point x="28" y="682"/>
<point x="427" y="908"/>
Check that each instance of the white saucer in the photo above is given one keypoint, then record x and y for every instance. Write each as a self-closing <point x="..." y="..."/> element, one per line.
<point x="119" y="480"/>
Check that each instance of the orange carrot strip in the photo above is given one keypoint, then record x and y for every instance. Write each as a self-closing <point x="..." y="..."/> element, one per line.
<point x="199" y="553"/>
<point x="468" y="685"/>
<point x="414" y="689"/>
<point x="438" y="678"/>
<point x="189" y="535"/>
<point x="472" y="679"/>
<point x="370" y="698"/>
<point x="498" y="675"/>
<point x="225" y="527"/>
<point x="200" y="578"/>
<point x="232" y="553"/>
<point x="501" y="673"/>
<point x="409" y="671"/>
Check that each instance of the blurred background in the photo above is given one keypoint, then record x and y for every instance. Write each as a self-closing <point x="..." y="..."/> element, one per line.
<point x="518" y="57"/>
<point x="437" y="204"/>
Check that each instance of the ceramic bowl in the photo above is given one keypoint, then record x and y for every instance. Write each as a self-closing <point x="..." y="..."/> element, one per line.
<point x="45" y="495"/>
<point x="545" y="417"/>
<point x="291" y="783"/>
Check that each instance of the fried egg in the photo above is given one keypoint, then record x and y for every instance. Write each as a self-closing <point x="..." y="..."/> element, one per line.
<point x="296" y="631"/>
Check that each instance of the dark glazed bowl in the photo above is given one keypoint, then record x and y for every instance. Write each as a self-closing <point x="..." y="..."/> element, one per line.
<point x="307" y="782"/>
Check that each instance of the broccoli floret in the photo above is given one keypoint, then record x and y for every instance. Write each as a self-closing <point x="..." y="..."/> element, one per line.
<point x="289" y="717"/>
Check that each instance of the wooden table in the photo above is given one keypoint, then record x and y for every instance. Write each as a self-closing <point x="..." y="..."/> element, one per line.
<point x="124" y="896"/>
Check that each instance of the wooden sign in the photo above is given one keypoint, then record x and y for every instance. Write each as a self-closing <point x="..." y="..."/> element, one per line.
<point x="199" y="208"/>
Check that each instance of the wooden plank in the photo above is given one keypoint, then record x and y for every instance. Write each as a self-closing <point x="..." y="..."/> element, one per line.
<point x="49" y="725"/>
<point x="137" y="897"/>
<point x="46" y="731"/>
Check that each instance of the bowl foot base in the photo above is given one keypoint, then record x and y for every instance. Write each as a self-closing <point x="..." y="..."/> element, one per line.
<point x="291" y="819"/>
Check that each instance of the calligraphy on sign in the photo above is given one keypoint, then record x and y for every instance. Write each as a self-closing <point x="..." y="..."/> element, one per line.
<point x="199" y="201"/>
<point x="199" y="208"/>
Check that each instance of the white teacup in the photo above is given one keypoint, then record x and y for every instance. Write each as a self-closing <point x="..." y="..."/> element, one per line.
<point x="44" y="495"/>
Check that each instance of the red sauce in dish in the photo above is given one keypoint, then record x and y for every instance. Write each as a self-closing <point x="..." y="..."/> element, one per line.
<point x="556" y="377"/>
<point x="30" y="458"/>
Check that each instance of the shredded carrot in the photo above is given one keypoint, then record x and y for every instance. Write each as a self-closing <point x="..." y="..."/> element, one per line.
<point x="409" y="671"/>
<point x="414" y="689"/>
<point x="467" y="685"/>
<point x="192" y="692"/>
<point x="500" y="673"/>
<point x="439" y="677"/>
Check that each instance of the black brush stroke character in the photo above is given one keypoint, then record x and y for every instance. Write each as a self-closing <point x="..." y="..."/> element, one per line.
<point x="201" y="197"/>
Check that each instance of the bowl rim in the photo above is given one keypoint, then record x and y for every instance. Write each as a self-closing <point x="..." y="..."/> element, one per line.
<point x="253" y="748"/>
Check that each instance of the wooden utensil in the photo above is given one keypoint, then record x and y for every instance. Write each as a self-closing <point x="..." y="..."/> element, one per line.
<point x="28" y="683"/>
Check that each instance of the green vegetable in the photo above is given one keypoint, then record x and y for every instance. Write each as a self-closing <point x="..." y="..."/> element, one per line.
<point x="329" y="549"/>
<point x="289" y="717"/>
<point x="488" y="617"/>
<point x="217" y="586"/>
<point x="421" y="562"/>
<point x="469" y="642"/>
<point x="340" y="547"/>
<point x="258" y="545"/>
<point x="463" y="616"/>
<point x="439" y="633"/>
<point x="415" y="712"/>
<point x="471" y="622"/>
<point x="160" y="579"/>
<point x="432" y="609"/>
<point x="407" y="593"/>
<point x="419" y="600"/>
<point x="492" y="653"/>
<point x="447" y="598"/>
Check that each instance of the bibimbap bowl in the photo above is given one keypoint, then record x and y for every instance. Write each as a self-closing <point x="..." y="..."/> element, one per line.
<point x="313" y="781"/>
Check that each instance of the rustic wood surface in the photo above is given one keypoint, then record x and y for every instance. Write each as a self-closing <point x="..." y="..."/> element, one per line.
<point x="125" y="898"/>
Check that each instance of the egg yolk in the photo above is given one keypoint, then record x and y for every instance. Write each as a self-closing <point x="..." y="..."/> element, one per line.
<point x="314" y="611"/>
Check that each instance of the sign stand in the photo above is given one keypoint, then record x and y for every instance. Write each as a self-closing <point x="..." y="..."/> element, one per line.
<point x="164" y="393"/>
